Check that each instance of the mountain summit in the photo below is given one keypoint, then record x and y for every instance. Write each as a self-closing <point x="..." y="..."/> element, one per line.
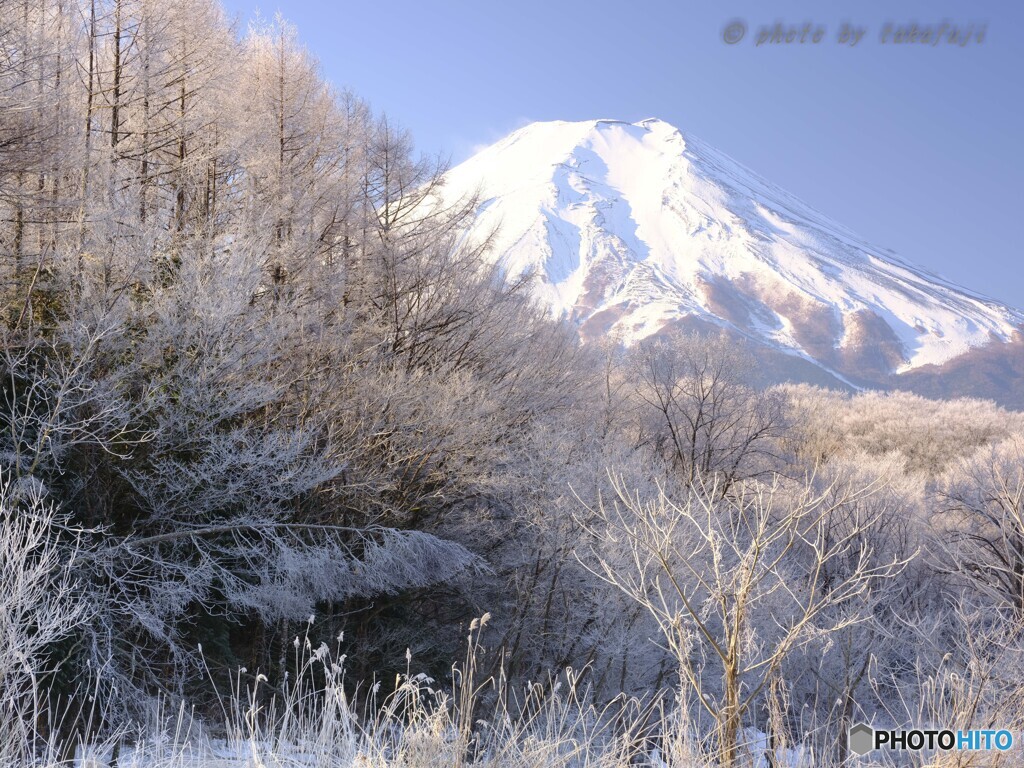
<point x="634" y="228"/>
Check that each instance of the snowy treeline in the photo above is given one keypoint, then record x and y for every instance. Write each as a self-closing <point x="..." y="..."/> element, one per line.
<point x="250" y="373"/>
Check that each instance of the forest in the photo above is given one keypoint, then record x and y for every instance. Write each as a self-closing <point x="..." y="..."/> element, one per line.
<point x="293" y="474"/>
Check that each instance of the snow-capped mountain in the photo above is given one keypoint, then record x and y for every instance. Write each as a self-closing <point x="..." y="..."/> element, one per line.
<point x="634" y="228"/>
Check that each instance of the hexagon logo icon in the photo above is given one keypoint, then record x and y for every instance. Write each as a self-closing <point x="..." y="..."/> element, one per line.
<point x="861" y="739"/>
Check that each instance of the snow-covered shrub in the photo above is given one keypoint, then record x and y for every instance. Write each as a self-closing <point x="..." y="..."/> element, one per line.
<point x="41" y="602"/>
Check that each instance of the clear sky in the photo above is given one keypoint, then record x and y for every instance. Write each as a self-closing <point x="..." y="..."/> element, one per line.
<point x="917" y="148"/>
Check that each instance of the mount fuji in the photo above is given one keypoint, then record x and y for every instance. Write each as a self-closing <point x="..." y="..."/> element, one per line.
<point x="633" y="229"/>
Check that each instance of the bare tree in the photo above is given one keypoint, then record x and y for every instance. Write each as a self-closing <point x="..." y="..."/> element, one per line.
<point x="964" y="673"/>
<point x="55" y="399"/>
<point x="829" y="680"/>
<point x="697" y="413"/>
<point x="41" y="602"/>
<point x="735" y="584"/>
<point x="295" y="144"/>
<point x="982" y="508"/>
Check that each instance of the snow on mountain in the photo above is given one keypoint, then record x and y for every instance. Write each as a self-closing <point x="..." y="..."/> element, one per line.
<point x="633" y="228"/>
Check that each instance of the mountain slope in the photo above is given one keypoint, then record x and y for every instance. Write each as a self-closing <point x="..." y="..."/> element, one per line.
<point x="634" y="228"/>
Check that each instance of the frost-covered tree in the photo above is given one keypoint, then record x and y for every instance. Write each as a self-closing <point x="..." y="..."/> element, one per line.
<point x="697" y="413"/>
<point x="927" y="435"/>
<point x="736" y="584"/>
<point x="981" y="512"/>
<point x="243" y="442"/>
<point x="41" y="602"/>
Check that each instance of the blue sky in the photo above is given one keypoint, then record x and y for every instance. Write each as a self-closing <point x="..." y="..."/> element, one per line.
<point x="917" y="148"/>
